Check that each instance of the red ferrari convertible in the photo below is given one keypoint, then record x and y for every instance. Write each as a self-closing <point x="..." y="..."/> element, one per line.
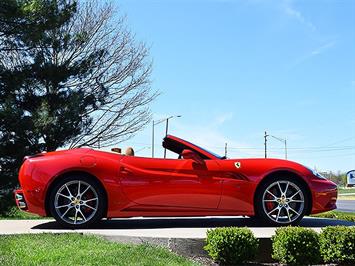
<point x="81" y="186"/>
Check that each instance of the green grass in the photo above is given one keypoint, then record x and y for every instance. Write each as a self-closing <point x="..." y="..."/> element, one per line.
<point x="343" y="193"/>
<point x="347" y="216"/>
<point x="15" y="214"/>
<point x="77" y="249"/>
<point x="346" y="190"/>
<point x="346" y="197"/>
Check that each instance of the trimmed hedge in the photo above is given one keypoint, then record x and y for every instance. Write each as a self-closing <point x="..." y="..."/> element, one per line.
<point x="296" y="245"/>
<point x="337" y="244"/>
<point x="290" y="245"/>
<point x="231" y="245"/>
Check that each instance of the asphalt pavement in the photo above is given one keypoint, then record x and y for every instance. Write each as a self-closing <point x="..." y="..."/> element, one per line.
<point x="346" y="205"/>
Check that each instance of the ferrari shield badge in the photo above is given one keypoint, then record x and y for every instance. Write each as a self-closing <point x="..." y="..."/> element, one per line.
<point x="237" y="164"/>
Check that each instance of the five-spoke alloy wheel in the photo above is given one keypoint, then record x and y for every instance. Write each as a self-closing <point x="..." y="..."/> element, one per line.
<point x="77" y="201"/>
<point x="282" y="201"/>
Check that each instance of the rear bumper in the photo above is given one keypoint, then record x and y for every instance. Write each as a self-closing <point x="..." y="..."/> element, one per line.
<point x="27" y="200"/>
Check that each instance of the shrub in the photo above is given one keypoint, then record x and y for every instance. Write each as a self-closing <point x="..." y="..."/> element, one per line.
<point x="7" y="201"/>
<point x="337" y="244"/>
<point x="296" y="245"/>
<point x="231" y="245"/>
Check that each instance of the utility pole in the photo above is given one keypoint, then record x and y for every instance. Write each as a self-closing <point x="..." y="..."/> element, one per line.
<point x="166" y="130"/>
<point x="284" y="141"/>
<point x="167" y="126"/>
<point x="225" y="150"/>
<point x="153" y="125"/>
<point x="265" y="141"/>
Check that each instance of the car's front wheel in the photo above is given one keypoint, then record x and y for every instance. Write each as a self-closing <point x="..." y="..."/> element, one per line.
<point x="77" y="201"/>
<point x="282" y="201"/>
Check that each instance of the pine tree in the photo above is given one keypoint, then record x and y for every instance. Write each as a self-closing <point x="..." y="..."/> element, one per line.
<point x="69" y="77"/>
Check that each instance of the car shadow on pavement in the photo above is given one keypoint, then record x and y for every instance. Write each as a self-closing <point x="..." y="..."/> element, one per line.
<point x="205" y="222"/>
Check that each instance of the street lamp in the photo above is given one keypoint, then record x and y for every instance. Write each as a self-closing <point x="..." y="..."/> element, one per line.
<point x="154" y="123"/>
<point x="284" y="141"/>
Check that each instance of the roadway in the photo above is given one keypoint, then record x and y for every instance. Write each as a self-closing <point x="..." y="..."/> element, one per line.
<point x="346" y="205"/>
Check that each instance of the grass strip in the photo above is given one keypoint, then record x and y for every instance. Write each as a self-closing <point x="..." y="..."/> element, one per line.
<point x="15" y="214"/>
<point x="347" y="216"/>
<point x="77" y="249"/>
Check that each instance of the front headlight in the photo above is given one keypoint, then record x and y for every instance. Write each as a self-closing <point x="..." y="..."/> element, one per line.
<point x="315" y="173"/>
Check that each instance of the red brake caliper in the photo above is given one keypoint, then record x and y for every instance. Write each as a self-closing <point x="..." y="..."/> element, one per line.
<point x="89" y="195"/>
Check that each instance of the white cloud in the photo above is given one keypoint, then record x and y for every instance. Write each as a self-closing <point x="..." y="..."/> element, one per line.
<point x="315" y="52"/>
<point x="222" y="118"/>
<point x="292" y="12"/>
<point x="323" y="48"/>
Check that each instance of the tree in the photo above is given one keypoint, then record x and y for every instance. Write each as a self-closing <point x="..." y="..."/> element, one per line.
<point x="22" y="24"/>
<point x="338" y="178"/>
<point x="71" y="75"/>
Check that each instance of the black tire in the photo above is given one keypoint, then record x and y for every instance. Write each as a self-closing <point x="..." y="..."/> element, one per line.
<point x="283" y="215"/>
<point x="61" y="202"/>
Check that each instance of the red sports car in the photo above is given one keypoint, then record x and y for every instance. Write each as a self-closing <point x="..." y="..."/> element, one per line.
<point x="81" y="186"/>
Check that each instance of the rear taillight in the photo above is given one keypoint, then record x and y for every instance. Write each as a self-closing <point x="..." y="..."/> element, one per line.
<point x="32" y="156"/>
<point x="20" y="201"/>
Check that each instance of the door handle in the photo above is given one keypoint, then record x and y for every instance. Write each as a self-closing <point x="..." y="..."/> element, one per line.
<point x="125" y="171"/>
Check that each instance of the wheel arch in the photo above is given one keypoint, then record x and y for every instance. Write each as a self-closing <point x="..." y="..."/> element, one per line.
<point x="56" y="179"/>
<point x="288" y="173"/>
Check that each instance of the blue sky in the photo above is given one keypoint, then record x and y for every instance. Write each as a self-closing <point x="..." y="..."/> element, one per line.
<point x="234" y="69"/>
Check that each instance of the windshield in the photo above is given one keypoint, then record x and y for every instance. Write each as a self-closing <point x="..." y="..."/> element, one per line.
<point x="177" y="145"/>
<point x="214" y="154"/>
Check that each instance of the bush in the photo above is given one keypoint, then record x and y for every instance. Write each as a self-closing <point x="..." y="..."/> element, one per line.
<point x="337" y="244"/>
<point x="231" y="245"/>
<point x="296" y="245"/>
<point x="7" y="201"/>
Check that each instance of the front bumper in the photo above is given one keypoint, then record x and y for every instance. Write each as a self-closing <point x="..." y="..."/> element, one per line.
<point x="324" y="193"/>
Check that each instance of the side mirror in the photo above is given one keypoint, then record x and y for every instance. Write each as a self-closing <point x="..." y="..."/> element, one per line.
<point x="189" y="154"/>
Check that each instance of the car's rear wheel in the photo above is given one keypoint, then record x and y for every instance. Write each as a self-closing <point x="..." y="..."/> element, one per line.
<point x="282" y="201"/>
<point x="77" y="201"/>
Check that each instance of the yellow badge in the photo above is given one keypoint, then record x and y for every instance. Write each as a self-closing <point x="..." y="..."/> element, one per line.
<point x="237" y="164"/>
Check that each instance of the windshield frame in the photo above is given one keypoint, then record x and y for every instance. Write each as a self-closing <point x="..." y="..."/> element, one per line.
<point x="205" y="154"/>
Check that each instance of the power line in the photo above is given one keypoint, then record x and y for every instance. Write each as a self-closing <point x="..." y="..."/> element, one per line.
<point x="327" y="148"/>
<point x="323" y="148"/>
<point x="343" y="140"/>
